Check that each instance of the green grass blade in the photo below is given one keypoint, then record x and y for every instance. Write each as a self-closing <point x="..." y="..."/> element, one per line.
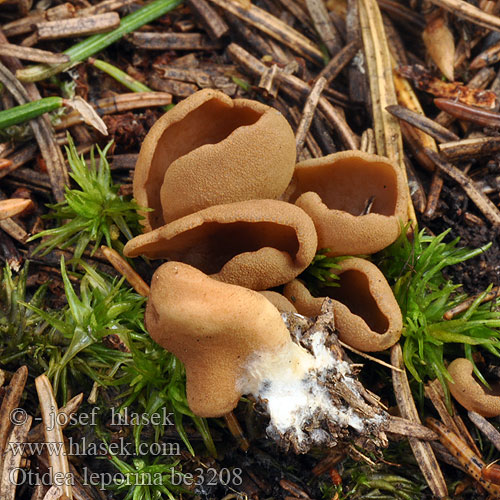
<point x="120" y="76"/>
<point x="28" y="111"/>
<point x="96" y="43"/>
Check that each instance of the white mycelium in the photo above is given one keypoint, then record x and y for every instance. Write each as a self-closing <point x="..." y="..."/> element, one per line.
<point x="291" y="383"/>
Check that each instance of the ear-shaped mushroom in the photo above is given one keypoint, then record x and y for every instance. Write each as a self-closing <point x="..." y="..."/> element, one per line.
<point x="258" y="244"/>
<point x="470" y="393"/>
<point x="367" y="316"/>
<point x="213" y="328"/>
<point x="355" y="199"/>
<point x="211" y="150"/>
<point x="279" y="301"/>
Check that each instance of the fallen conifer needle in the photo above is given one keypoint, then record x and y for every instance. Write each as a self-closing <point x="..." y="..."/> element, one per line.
<point x="14" y="206"/>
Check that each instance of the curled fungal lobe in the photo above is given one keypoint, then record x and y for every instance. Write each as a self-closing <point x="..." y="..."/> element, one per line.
<point x="356" y="200"/>
<point x="367" y="315"/>
<point x="211" y="150"/>
<point x="470" y="393"/>
<point x="258" y="244"/>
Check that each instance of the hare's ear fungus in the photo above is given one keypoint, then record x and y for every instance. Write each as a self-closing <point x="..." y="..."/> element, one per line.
<point x="356" y="200"/>
<point x="209" y="150"/>
<point x="213" y="328"/>
<point x="258" y="244"/>
<point x="470" y="393"/>
<point x="367" y="316"/>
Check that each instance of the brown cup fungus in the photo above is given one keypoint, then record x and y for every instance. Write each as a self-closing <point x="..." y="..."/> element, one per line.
<point x="209" y="150"/>
<point x="356" y="200"/>
<point x="213" y="328"/>
<point x="258" y="244"/>
<point x="470" y="393"/>
<point x="367" y="316"/>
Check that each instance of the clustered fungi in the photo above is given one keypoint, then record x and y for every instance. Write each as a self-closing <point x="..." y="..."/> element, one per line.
<point x="236" y="216"/>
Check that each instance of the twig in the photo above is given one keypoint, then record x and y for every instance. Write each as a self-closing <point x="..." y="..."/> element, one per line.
<point x="236" y="430"/>
<point x="423" y="123"/>
<point x="445" y="456"/>
<point x="404" y="427"/>
<point x="50" y="151"/>
<point x="415" y="185"/>
<point x="324" y="26"/>
<point x="172" y="41"/>
<point x="26" y="24"/>
<point x="126" y="270"/>
<point x="125" y="102"/>
<point x="54" y="493"/>
<point x="30" y="54"/>
<point x="358" y="90"/>
<point x="78" y="26"/>
<point x="12" y="460"/>
<point x="105" y="6"/>
<point x="297" y="9"/>
<point x="400" y="11"/>
<point x="95" y="43"/>
<point x="486" y="428"/>
<point x="10" y="252"/>
<point x="118" y="104"/>
<point x="470" y="13"/>
<point x="479" y="116"/>
<point x="323" y="135"/>
<point x="387" y="133"/>
<point x="396" y="45"/>
<point x="339" y="61"/>
<point x="493" y="294"/>
<point x="59" y="466"/>
<point x="308" y="113"/>
<point x="368" y="356"/>
<point x="293" y="86"/>
<point x="414" y="137"/>
<point x="470" y="148"/>
<point x="378" y="60"/>
<point x="37" y="433"/>
<point x="294" y="489"/>
<point x="254" y="40"/>
<point x="347" y="136"/>
<point x="173" y="87"/>
<point x="434" y="194"/>
<point x="10" y="402"/>
<point x="485" y="205"/>
<point x="274" y="27"/>
<point x="5" y="163"/>
<point x="368" y="141"/>
<point x="416" y="147"/>
<point x="214" y="25"/>
<point x="268" y="82"/>
<point x="486" y="58"/>
<point x="423" y="452"/>
<point x="14" y="230"/>
<point x="311" y="143"/>
<point x="467" y="458"/>
<point x="434" y="391"/>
